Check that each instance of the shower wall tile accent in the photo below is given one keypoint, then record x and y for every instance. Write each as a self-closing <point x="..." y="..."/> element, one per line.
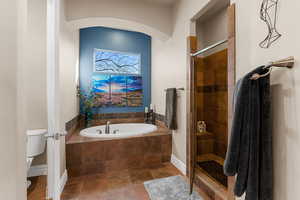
<point x="212" y="100"/>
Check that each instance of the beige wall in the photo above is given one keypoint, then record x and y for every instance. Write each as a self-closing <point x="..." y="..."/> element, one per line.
<point x="145" y="12"/>
<point x="8" y="100"/>
<point x="212" y="29"/>
<point x="12" y="168"/>
<point x="285" y="85"/>
<point x="35" y="77"/>
<point x="169" y="67"/>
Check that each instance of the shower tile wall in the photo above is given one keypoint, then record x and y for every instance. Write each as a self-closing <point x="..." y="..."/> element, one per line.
<point x="211" y="97"/>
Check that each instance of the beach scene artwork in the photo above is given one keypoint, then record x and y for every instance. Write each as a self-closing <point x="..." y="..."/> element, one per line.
<point x="117" y="90"/>
<point x="134" y="91"/>
<point x="114" y="62"/>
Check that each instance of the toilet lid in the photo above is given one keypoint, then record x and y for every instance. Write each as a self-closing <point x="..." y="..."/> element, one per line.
<point x="36" y="132"/>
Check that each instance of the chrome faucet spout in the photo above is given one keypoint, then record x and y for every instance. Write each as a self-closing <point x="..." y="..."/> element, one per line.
<point x="107" y="127"/>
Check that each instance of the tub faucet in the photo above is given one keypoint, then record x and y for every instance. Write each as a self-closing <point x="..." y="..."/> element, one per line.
<point x="107" y="127"/>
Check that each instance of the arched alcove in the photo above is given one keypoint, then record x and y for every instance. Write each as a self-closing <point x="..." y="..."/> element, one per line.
<point x="118" y="24"/>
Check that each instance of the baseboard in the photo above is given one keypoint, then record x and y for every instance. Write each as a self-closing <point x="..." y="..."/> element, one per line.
<point x="37" y="170"/>
<point x="63" y="181"/>
<point x="178" y="164"/>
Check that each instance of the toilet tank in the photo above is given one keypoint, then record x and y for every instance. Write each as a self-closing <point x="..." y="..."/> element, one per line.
<point x="36" y="142"/>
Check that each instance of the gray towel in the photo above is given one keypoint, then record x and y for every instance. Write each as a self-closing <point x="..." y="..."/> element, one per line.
<point x="249" y="154"/>
<point x="171" y="109"/>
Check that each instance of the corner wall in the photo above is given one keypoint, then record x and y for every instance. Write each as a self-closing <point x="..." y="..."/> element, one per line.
<point x="285" y="85"/>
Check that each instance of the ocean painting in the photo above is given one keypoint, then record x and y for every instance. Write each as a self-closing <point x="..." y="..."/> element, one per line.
<point x="102" y="90"/>
<point x="134" y="91"/>
<point x="114" y="62"/>
<point x="117" y="90"/>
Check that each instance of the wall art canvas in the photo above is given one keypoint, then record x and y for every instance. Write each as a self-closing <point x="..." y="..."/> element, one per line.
<point x="102" y="90"/>
<point x="116" y="90"/>
<point x="134" y="91"/>
<point x="114" y="62"/>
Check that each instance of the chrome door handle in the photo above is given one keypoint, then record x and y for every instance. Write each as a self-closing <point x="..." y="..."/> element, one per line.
<point x="56" y="136"/>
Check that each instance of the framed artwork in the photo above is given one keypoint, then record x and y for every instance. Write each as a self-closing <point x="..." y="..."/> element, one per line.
<point x="117" y="90"/>
<point x="134" y="91"/>
<point x="102" y="90"/>
<point x="115" y="62"/>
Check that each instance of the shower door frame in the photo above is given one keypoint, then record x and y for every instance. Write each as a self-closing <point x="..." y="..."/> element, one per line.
<point x="191" y="110"/>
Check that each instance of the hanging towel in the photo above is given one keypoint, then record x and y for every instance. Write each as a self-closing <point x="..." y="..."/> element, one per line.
<point x="249" y="154"/>
<point x="171" y="109"/>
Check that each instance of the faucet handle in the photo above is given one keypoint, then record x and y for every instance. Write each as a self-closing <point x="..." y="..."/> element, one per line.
<point x="115" y="131"/>
<point x="99" y="131"/>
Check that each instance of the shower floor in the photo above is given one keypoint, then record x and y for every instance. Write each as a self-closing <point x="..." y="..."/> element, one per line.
<point x="212" y="165"/>
<point x="215" y="170"/>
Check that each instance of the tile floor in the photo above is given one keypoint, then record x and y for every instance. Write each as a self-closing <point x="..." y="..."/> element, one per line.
<point x="37" y="189"/>
<point x="122" y="185"/>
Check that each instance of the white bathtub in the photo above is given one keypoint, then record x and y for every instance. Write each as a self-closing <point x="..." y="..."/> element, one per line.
<point x="118" y="130"/>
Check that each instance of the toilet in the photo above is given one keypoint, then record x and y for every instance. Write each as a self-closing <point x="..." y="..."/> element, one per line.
<point x="36" y="142"/>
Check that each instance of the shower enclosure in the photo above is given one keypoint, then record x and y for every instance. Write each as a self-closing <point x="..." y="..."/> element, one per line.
<point x="211" y="104"/>
<point x="211" y="79"/>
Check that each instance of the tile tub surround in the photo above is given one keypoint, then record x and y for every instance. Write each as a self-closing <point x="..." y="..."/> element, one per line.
<point x="116" y="118"/>
<point x="72" y="125"/>
<point x="106" y="116"/>
<point x="97" y="155"/>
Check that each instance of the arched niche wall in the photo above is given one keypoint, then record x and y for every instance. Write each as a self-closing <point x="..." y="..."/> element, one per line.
<point x="118" y="24"/>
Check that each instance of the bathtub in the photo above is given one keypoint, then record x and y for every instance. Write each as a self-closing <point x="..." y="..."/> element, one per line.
<point x="119" y="130"/>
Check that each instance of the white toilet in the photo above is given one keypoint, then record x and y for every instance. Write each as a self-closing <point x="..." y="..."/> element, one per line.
<point x="36" y="142"/>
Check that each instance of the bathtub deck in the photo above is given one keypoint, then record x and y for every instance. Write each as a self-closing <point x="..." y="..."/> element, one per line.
<point x="77" y="138"/>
